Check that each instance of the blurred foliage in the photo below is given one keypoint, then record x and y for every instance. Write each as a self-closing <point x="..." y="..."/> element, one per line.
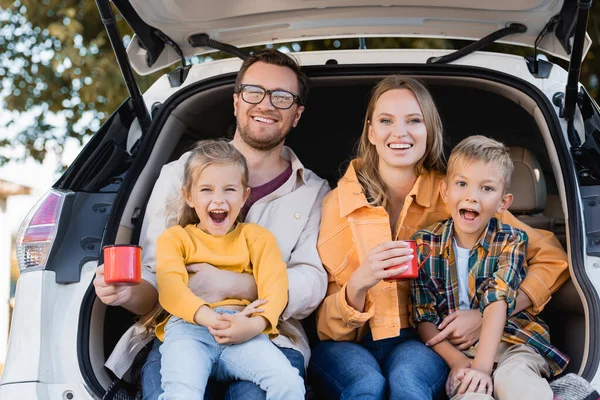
<point x="56" y="60"/>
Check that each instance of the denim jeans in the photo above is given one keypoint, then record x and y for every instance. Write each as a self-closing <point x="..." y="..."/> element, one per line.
<point x="395" y="368"/>
<point x="238" y="389"/>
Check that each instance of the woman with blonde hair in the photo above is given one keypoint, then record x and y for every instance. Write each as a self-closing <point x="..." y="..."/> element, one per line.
<point x="391" y="189"/>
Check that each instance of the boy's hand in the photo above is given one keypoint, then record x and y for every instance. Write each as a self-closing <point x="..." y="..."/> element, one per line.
<point x="241" y="330"/>
<point x="457" y="373"/>
<point x="475" y="381"/>
<point x="253" y="308"/>
<point x="462" y="328"/>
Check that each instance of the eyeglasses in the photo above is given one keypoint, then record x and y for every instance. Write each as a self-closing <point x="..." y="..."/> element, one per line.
<point x="281" y="99"/>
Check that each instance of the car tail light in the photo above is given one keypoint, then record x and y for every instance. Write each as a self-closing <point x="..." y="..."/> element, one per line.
<point x="38" y="231"/>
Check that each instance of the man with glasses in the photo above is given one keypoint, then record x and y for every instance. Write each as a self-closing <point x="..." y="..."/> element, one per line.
<point x="268" y="100"/>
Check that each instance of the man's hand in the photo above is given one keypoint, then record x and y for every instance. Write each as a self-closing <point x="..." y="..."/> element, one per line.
<point x="475" y="381"/>
<point x="111" y="295"/>
<point x="461" y="328"/>
<point x="213" y="285"/>
<point x="241" y="330"/>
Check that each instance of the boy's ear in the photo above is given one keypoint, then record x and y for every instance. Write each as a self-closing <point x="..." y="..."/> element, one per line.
<point x="507" y="200"/>
<point x="246" y="194"/>
<point x="444" y="190"/>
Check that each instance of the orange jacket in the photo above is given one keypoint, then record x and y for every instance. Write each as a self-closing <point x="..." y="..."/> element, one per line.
<point x="350" y="228"/>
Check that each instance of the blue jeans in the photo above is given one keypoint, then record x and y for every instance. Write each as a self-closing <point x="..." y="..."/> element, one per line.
<point x="395" y="368"/>
<point x="233" y="390"/>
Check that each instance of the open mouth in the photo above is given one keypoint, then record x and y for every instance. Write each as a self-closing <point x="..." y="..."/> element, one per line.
<point x="468" y="214"/>
<point x="400" y="146"/>
<point x="264" y="120"/>
<point x="218" y="216"/>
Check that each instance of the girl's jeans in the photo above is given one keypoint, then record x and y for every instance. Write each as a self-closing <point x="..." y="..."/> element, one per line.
<point x="190" y="356"/>
<point x="395" y="368"/>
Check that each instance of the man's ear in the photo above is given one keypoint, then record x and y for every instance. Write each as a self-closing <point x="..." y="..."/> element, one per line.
<point x="507" y="200"/>
<point x="444" y="191"/>
<point x="246" y="194"/>
<point x="299" y="112"/>
<point x="236" y="100"/>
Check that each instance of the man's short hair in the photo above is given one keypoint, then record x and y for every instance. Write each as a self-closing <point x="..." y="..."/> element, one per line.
<point x="276" y="57"/>
<point x="481" y="148"/>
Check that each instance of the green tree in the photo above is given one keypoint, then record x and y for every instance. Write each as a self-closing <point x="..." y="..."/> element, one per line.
<point x="55" y="59"/>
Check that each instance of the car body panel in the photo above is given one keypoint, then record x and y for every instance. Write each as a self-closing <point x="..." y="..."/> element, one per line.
<point x="268" y="21"/>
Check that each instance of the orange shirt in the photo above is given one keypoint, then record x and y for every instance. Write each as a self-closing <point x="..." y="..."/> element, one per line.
<point x="350" y="228"/>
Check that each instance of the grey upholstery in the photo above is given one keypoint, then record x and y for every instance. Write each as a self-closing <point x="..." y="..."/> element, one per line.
<point x="528" y="185"/>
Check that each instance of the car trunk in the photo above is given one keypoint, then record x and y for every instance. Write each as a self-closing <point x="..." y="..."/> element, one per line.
<point x="469" y="103"/>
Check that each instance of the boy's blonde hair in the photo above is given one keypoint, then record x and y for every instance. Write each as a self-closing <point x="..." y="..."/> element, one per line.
<point x="488" y="150"/>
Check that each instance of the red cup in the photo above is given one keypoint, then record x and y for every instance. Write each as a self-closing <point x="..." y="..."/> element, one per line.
<point x="123" y="264"/>
<point x="413" y="265"/>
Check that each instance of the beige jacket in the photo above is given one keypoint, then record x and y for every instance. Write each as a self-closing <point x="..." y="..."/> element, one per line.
<point x="292" y="213"/>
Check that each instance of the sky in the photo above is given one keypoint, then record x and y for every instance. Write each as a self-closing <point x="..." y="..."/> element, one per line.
<point x="39" y="177"/>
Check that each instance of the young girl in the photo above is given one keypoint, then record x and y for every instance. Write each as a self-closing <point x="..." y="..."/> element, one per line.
<point x="390" y="191"/>
<point x="228" y="340"/>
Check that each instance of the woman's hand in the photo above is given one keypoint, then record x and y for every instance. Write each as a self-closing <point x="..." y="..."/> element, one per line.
<point x="461" y="328"/>
<point x="457" y="373"/>
<point x="378" y="264"/>
<point x="475" y="381"/>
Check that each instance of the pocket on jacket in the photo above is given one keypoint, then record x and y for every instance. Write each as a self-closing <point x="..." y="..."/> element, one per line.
<point x="348" y="265"/>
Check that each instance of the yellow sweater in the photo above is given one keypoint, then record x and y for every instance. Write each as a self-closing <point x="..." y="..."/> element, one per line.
<point x="249" y="248"/>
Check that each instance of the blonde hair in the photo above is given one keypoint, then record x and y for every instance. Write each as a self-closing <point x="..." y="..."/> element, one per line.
<point x="367" y="163"/>
<point x="488" y="150"/>
<point x="204" y="153"/>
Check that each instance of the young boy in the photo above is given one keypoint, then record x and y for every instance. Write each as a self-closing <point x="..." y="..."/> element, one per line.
<point x="478" y="263"/>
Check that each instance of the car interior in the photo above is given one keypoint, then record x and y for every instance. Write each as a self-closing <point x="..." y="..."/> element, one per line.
<point x="324" y="141"/>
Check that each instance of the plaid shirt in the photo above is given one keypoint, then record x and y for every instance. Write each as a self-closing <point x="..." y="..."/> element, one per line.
<point x="496" y="268"/>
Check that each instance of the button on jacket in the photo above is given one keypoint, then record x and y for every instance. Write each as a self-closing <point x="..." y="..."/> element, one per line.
<point x="350" y="228"/>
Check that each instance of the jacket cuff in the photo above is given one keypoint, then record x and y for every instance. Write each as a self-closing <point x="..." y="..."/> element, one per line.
<point x="536" y="290"/>
<point x="352" y="318"/>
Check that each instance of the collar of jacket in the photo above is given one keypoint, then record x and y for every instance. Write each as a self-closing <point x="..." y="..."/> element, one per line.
<point x="351" y="196"/>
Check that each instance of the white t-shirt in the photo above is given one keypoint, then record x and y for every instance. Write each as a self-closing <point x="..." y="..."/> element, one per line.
<point x="462" y="270"/>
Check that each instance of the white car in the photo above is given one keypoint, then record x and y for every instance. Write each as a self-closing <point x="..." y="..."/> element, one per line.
<point x="62" y="334"/>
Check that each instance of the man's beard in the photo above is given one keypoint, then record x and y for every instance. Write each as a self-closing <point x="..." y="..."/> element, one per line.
<point x="261" y="144"/>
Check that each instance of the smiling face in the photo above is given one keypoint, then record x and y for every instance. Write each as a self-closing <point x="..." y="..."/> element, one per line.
<point x="262" y="126"/>
<point x="474" y="192"/>
<point x="217" y="197"/>
<point x="397" y="130"/>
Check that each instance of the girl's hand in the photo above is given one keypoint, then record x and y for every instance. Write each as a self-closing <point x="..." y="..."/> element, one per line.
<point x="241" y="330"/>
<point x="373" y="269"/>
<point x="253" y="308"/>
<point x="476" y="381"/>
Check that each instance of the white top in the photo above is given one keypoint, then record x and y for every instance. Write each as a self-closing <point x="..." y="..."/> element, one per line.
<point x="462" y="270"/>
<point x="293" y="215"/>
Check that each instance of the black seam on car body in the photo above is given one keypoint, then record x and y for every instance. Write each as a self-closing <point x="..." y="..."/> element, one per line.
<point x="336" y="70"/>
<point x="83" y="343"/>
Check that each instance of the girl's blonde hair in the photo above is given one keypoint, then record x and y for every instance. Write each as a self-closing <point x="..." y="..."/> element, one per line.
<point x="367" y="163"/>
<point x="204" y="153"/>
